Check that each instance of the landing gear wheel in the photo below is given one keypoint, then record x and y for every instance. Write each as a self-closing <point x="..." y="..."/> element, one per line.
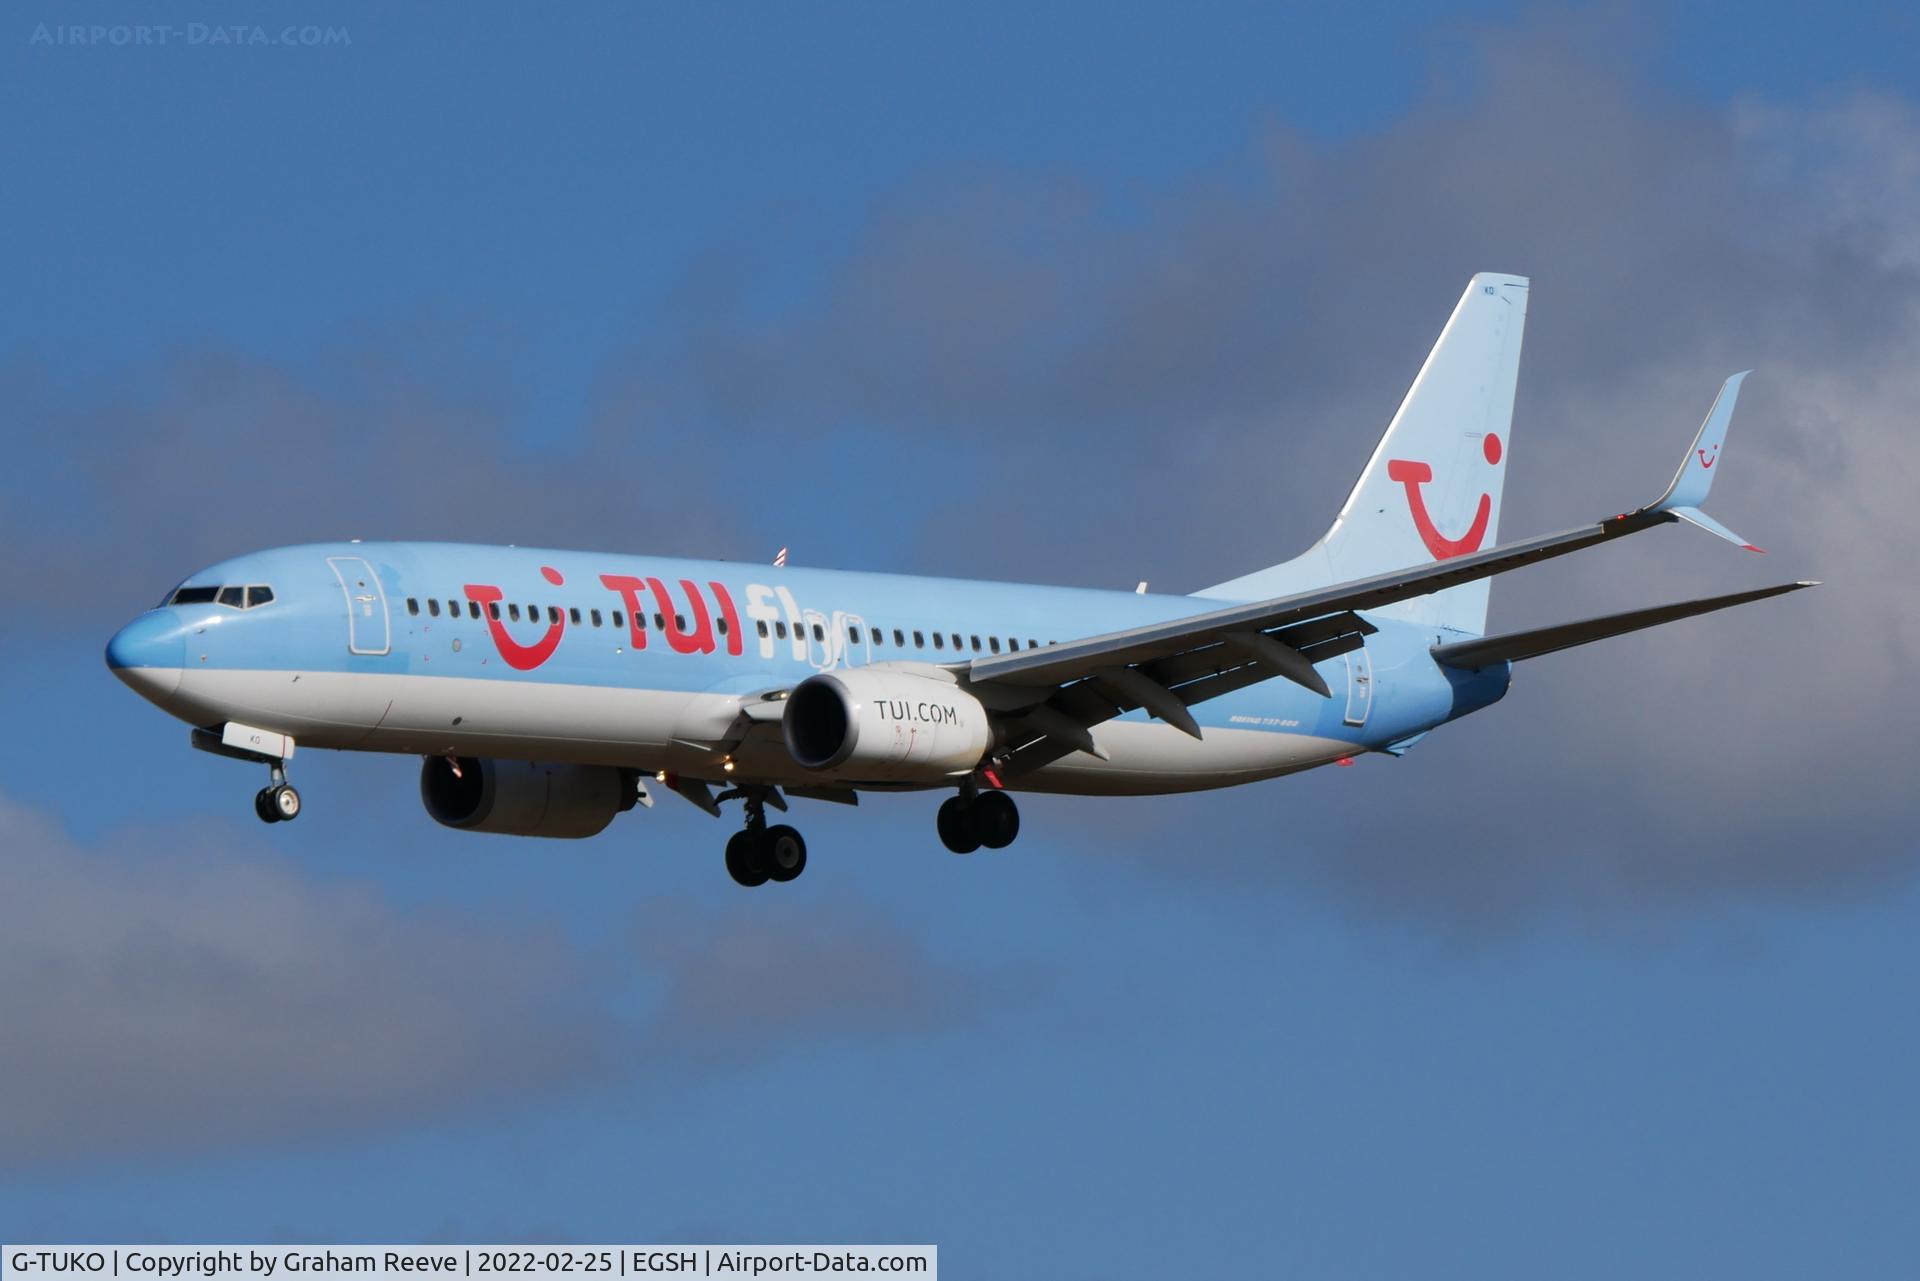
<point x="996" y="820"/>
<point x="746" y="858"/>
<point x="263" y="806"/>
<point x="958" y="832"/>
<point x="285" y="802"/>
<point x="784" y="853"/>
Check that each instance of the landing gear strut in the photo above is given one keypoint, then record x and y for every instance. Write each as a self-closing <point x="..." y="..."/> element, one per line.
<point x="758" y="853"/>
<point x="967" y="822"/>
<point x="277" y="802"/>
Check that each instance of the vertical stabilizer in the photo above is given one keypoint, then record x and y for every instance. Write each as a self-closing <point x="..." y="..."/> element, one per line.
<point x="1431" y="491"/>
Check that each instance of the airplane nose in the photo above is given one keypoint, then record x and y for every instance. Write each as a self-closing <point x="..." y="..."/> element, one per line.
<point x="149" y="654"/>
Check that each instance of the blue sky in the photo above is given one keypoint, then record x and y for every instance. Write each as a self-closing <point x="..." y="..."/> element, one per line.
<point x="1614" y="979"/>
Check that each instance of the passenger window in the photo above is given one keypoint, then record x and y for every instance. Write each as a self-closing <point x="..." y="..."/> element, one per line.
<point x="780" y="630"/>
<point x="493" y="610"/>
<point x="473" y="608"/>
<point x="679" y="622"/>
<point x="956" y="640"/>
<point x="196" y="595"/>
<point x="553" y="613"/>
<point x="659" y="621"/>
<point x="533" y="613"/>
<point x="433" y="607"/>
<point x="976" y="643"/>
<point x="453" y="608"/>
<point x="853" y="635"/>
<point x="722" y="625"/>
<point x="1013" y="643"/>
<point x="898" y="638"/>
<point x="594" y="615"/>
<point x="513" y="612"/>
<point x="413" y="606"/>
<point x="919" y="639"/>
<point x="939" y="641"/>
<point x="234" y="596"/>
<point x="574" y="615"/>
<point x="993" y="643"/>
<point x="819" y="632"/>
<point x="257" y="596"/>
<point x="619" y="619"/>
<point x="760" y="626"/>
<point x="1032" y="643"/>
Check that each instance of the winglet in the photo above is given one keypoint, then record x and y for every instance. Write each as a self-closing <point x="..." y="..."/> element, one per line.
<point x="1694" y="480"/>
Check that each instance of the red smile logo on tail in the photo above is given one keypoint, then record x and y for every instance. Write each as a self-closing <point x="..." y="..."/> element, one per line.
<point x="1413" y="475"/>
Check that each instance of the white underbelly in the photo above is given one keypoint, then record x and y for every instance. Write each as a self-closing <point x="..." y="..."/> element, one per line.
<point x="661" y="729"/>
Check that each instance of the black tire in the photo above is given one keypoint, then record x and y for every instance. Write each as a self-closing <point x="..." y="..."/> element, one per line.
<point x="263" y="806"/>
<point x="996" y="819"/>
<point x="745" y="863"/>
<point x="785" y="853"/>
<point x="957" y="829"/>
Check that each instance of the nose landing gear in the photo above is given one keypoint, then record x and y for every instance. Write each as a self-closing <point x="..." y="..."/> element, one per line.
<point x="277" y="802"/>
<point x="967" y="822"/>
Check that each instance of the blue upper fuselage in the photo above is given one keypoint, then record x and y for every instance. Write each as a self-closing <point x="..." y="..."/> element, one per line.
<point x="611" y="620"/>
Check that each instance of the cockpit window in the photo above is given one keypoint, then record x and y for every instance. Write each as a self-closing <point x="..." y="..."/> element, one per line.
<point x="231" y="597"/>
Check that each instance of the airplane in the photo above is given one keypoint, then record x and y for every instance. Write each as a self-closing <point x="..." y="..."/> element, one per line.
<point x="545" y="690"/>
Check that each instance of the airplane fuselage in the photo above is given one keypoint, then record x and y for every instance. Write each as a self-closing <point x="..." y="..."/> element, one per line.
<point x="596" y="658"/>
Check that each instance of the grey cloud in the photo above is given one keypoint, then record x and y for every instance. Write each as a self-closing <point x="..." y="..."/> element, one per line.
<point x="190" y="992"/>
<point x="192" y="997"/>
<point x="226" y="451"/>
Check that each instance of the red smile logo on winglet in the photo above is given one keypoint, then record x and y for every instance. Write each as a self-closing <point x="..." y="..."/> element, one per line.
<point x="1413" y="475"/>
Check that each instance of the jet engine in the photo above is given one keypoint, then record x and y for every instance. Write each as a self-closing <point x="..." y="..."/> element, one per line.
<point x="880" y="725"/>
<point x="525" y="798"/>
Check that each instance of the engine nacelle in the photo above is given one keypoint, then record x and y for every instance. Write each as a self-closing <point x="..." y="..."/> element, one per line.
<point x="883" y="725"/>
<point x="525" y="798"/>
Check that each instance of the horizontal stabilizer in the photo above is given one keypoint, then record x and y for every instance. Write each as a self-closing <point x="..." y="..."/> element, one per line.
<point x="1515" y="646"/>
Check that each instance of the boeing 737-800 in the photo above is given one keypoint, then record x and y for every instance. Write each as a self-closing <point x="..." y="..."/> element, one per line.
<point x="546" y="690"/>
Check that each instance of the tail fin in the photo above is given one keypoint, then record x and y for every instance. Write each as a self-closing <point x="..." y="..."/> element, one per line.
<point x="1432" y="488"/>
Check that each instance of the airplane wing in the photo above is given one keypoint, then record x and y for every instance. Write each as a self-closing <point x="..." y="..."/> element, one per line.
<point x="1057" y="693"/>
<point x="1061" y="691"/>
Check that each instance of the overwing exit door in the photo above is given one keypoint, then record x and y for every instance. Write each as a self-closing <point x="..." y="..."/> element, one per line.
<point x="369" y="630"/>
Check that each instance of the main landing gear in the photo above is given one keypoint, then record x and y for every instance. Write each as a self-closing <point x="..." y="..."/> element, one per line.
<point x="277" y="802"/>
<point x="758" y="853"/>
<point x="973" y="819"/>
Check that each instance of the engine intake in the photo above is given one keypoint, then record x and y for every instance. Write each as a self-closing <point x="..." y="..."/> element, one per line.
<point x="885" y="726"/>
<point x="525" y="798"/>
